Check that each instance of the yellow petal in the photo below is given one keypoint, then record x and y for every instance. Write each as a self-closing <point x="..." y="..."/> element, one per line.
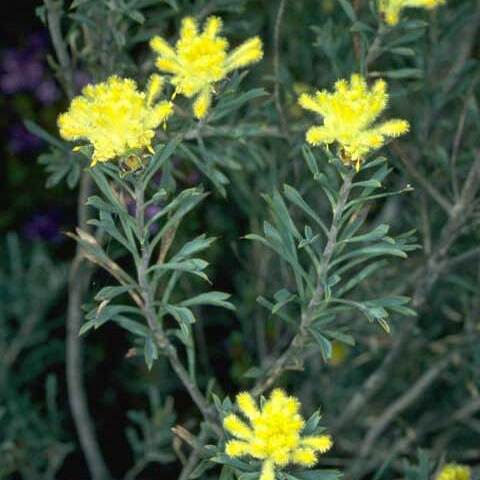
<point x="160" y="113"/>
<point x="236" y="448"/>
<point x="213" y="26"/>
<point x="248" y="52"/>
<point x="309" y="102"/>
<point x="237" y="428"/>
<point x="188" y="29"/>
<point x="161" y="46"/>
<point x="247" y="405"/>
<point x="320" y="443"/>
<point x="168" y="65"/>
<point x="305" y="457"/>
<point x="202" y="103"/>
<point x="318" y="135"/>
<point x="154" y="87"/>
<point x="393" y="128"/>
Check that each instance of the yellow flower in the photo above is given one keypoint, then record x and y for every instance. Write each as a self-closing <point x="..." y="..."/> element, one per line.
<point x="339" y="353"/>
<point x="348" y="114"/>
<point x="328" y="6"/>
<point x="298" y="88"/>
<point x="115" y="117"/>
<point x="274" y="434"/>
<point x="199" y="60"/>
<point x="453" y="471"/>
<point x="391" y="9"/>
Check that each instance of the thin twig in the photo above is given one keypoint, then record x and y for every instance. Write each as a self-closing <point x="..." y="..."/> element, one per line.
<point x="357" y="46"/>
<point x="23" y="337"/>
<point x="259" y="269"/>
<point x="207" y="9"/>
<point x="462" y="415"/>
<point x="463" y="52"/>
<point x="166" y="243"/>
<point x="374" y="381"/>
<point x="463" y="257"/>
<point x="396" y="408"/>
<point x="78" y="279"/>
<point x="426" y="228"/>
<point x="276" y="68"/>
<point x="54" y="13"/>
<point x="402" y="403"/>
<point x="195" y="455"/>
<point x="137" y="468"/>
<point x="434" y="267"/>
<point x="375" y="49"/>
<point x="420" y="178"/>
<point x="456" y="144"/>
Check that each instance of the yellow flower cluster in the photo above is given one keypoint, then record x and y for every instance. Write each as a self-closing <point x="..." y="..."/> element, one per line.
<point x="199" y="60"/>
<point x="274" y="435"/>
<point x="348" y="116"/>
<point x="391" y="9"/>
<point x="115" y="117"/>
<point x="453" y="471"/>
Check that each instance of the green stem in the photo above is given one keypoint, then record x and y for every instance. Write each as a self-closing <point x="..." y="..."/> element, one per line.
<point x="163" y="342"/>
<point x="293" y="356"/>
<point x="54" y="13"/>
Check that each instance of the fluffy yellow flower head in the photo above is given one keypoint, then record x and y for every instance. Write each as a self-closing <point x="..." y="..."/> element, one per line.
<point x="391" y="9"/>
<point x="201" y="59"/>
<point x="274" y="434"/>
<point x="348" y="114"/>
<point x="115" y="117"/>
<point x="452" y="471"/>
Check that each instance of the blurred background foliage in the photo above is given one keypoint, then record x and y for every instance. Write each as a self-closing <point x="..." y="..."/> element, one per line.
<point x="383" y="397"/>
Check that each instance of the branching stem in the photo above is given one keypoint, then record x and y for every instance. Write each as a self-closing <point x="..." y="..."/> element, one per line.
<point x="65" y="74"/>
<point x="79" y="278"/>
<point x="163" y="342"/>
<point x="295" y="353"/>
<point x="434" y="266"/>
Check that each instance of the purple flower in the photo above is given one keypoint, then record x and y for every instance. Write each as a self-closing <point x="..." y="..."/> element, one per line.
<point x="47" y="92"/>
<point x="131" y="206"/>
<point x="23" y="69"/>
<point x="43" y="226"/>
<point x="150" y="212"/>
<point x="21" y="140"/>
<point x="38" y="42"/>
<point x="81" y="79"/>
<point x="20" y="71"/>
<point x="157" y="179"/>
